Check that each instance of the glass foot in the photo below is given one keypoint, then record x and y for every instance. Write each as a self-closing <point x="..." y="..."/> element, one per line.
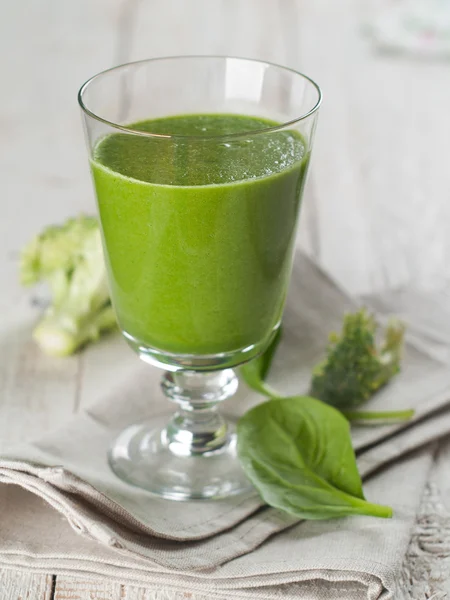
<point x="147" y="456"/>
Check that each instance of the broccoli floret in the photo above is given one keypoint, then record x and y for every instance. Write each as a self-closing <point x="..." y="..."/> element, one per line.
<point x="355" y="367"/>
<point x="69" y="258"/>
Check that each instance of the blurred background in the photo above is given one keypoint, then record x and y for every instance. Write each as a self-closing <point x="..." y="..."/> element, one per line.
<point x="377" y="207"/>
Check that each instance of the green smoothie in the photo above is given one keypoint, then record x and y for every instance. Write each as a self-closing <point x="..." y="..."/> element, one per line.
<point x="199" y="234"/>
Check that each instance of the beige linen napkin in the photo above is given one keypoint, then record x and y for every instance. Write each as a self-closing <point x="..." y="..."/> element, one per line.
<point x="426" y="571"/>
<point x="132" y="536"/>
<point x="345" y="559"/>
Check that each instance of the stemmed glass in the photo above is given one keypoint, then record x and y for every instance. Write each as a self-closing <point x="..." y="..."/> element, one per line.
<point x="199" y="165"/>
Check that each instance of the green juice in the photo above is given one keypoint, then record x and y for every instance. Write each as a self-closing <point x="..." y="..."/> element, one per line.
<point x="198" y="235"/>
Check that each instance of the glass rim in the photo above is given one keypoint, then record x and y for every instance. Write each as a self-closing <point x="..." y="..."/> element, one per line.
<point x="148" y="134"/>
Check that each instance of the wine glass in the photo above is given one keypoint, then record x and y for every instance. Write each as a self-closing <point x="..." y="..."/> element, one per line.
<point x="199" y="165"/>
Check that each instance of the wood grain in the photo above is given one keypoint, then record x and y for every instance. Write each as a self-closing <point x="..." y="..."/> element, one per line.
<point x="139" y="593"/>
<point x="20" y="585"/>
<point x="379" y="166"/>
<point x="49" y="49"/>
<point x="45" y="177"/>
<point x="68" y="588"/>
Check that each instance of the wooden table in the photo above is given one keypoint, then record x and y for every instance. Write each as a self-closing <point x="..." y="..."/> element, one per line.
<point x="377" y="210"/>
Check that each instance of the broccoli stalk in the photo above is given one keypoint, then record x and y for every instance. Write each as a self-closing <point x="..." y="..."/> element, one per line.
<point x="70" y="259"/>
<point x="355" y="368"/>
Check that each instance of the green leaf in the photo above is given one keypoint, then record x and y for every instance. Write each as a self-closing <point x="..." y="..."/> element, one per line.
<point x="298" y="453"/>
<point x="255" y="371"/>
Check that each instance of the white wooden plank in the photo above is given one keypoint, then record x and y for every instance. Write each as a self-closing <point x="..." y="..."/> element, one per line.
<point x="172" y="28"/>
<point x="260" y="29"/>
<point x="37" y="392"/>
<point x="380" y="163"/>
<point x="20" y="585"/>
<point x="70" y="588"/>
<point x="44" y="172"/>
<point x="140" y="593"/>
<point x="48" y="49"/>
<point x="52" y="47"/>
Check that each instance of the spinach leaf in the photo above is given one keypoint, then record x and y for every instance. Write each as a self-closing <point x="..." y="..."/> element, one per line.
<point x="298" y="453"/>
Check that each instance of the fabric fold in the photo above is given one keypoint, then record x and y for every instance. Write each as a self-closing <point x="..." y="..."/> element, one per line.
<point x="229" y="547"/>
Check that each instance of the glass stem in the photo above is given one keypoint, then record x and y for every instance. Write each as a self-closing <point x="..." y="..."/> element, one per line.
<point x="197" y="427"/>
